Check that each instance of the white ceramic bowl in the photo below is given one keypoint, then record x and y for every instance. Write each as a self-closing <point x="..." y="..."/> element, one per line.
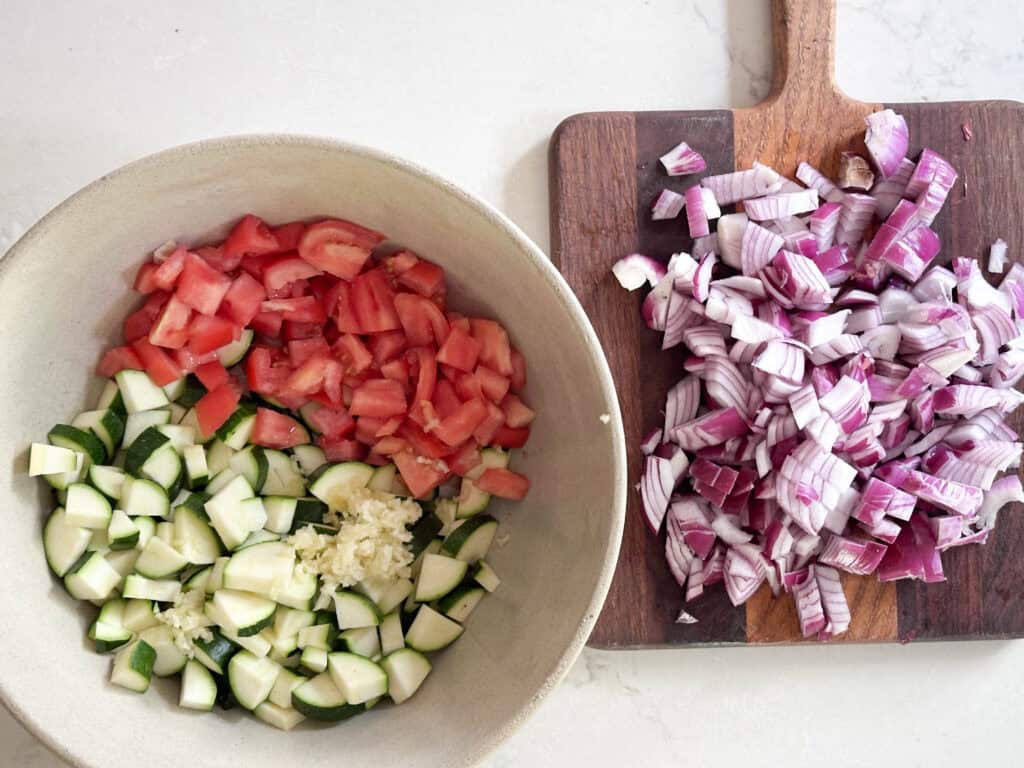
<point x="65" y="288"/>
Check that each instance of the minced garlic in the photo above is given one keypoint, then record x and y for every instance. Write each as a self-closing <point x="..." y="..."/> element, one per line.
<point x="370" y="542"/>
<point x="187" y="620"/>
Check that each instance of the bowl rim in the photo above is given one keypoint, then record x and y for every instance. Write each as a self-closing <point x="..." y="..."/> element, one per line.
<point x="539" y="260"/>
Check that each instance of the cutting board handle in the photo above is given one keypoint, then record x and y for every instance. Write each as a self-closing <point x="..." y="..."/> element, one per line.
<point x="804" y="37"/>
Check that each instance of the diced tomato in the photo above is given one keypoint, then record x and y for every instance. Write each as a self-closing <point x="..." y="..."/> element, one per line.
<point x="341" y="449"/>
<point x="277" y="430"/>
<point x="310" y="376"/>
<point x="460" y="350"/>
<point x="267" y="323"/>
<point x="424" y="324"/>
<point x="145" y="279"/>
<point x="297" y="331"/>
<point x="421" y="477"/>
<point x="401" y="262"/>
<point x="304" y="309"/>
<point x="171" y="327"/>
<point x="216" y="407"/>
<point x="188" y="360"/>
<point x="374" y="459"/>
<point x="212" y="375"/>
<point x="390" y="426"/>
<point x="214" y="256"/>
<point x="518" y="370"/>
<point x="158" y="364"/>
<point x="445" y="400"/>
<point x="378" y="397"/>
<point x="344" y="313"/>
<point x="282" y="271"/>
<point x="332" y="422"/>
<point x="250" y="235"/>
<point x="374" y="302"/>
<point x="300" y="350"/>
<point x="460" y="321"/>
<point x="487" y="428"/>
<point x="136" y="325"/>
<point x="338" y="247"/>
<point x="206" y="334"/>
<point x="386" y="346"/>
<point x="422" y="443"/>
<point x="517" y="413"/>
<point x="459" y="426"/>
<point x="254" y="265"/>
<point x="263" y="376"/>
<point x="301" y="288"/>
<point x="353" y="353"/>
<point x="367" y="428"/>
<point x="166" y="274"/>
<point x="495" y="351"/>
<point x="451" y="374"/>
<point x="503" y="483"/>
<point x="396" y="370"/>
<point x="507" y="437"/>
<point x="426" y="375"/>
<point x="242" y="301"/>
<point x="200" y="286"/>
<point x="465" y="459"/>
<point x="423" y="413"/>
<point x="333" y="378"/>
<point x="424" y="278"/>
<point x="118" y="359"/>
<point x="288" y="235"/>
<point x="155" y="303"/>
<point x="494" y="385"/>
<point x="468" y="387"/>
<point x="389" y="445"/>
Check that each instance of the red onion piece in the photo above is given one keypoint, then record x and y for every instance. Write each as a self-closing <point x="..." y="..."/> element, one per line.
<point x="782" y="204"/>
<point x="887" y="140"/>
<point x="667" y="205"/>
<point x="731" y="188"/>
<point x="997" y="256"/>
<point x="813" y="178"/>
<point x="655" y="488"/>
<point x="681" y="160"/>
<point x="634" y="270"/>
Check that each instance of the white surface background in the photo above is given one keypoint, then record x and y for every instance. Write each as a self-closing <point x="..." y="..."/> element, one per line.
<point x="473" y="90"/>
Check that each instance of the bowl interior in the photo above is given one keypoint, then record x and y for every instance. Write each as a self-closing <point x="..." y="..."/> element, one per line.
<point x="65" y="289"/>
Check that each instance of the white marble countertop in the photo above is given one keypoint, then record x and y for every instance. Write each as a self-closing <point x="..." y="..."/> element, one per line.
<point x="473" y="90"/>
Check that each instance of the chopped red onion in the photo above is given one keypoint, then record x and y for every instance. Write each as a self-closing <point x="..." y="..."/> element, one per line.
<point x="887" y="140"/>
<point x="813" y="178"/>
<point x="681" y="160"/>
<point x="781" y="205"/>
<point x="634" y="270"/>
<point x="889" y="191"/>
<point x="667" y="205"/>
<point x="997" y="256"/>
<point x="896" y="433"/>
<point x="731" y="188"/>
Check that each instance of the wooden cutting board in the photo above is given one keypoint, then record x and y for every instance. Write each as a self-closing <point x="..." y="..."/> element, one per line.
<point x="604" y="176"/>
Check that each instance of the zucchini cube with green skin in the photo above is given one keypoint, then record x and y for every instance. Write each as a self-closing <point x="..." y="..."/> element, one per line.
<point x="244" y="613"/>
<point x="87" y="508"/>
<point x="359" y="679"/>
<point x="106" y="424"/>
<point x="169" y="658"/>
<point x="283" y="478"/>
<point x="354" y="610"/>
<point x="438" y="576"/>
<point x="160" y="590"/>
<point x="92" y="578"/>
<point x="215" y="653"/>
<point x="144" y="498"/>
<point x="406" y="670"/>
<point x="139" y="615"/>
<point x="75" y="439"/>
<point x="363" y="641"/>
<point x="309" y="457"/>
<point x="391" y="635"/>
<point x="301" y="590"/>
<point x="264" y="569"/>
<point x="51" y="459"/>
<point x="331" y="479"/>
<point x="471" y="540"/>
<point x="431" y="631"/>
<point x="321" y="636"/>
<point x="138" y="391"/>
<point x="282" y="718"/>
<point x="227" y="515"/>
<point x="290" y="621"/>
<point x="111" y="398"/>
<point x="194" y="537"/>
<point x="159" y="560"/>
<point x="236" y="430"/>
<point x="197" y="472"/>
<point x="198" y="688"/>
<point x="107" y="480"/>
<point x="281" y="694"/>
<point x="252" y="678"/>
<point x="251" y="463"/>
<point x="108" y="632"/>
<point x="122" y="533"/>
<point x="314" y="660"/>
<point x="320" y="699"/>
<point x="63" y="543"/>
<point x="133" y="666"/>
<point x="137" y="423"/>
<point x="461" y="601"/>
